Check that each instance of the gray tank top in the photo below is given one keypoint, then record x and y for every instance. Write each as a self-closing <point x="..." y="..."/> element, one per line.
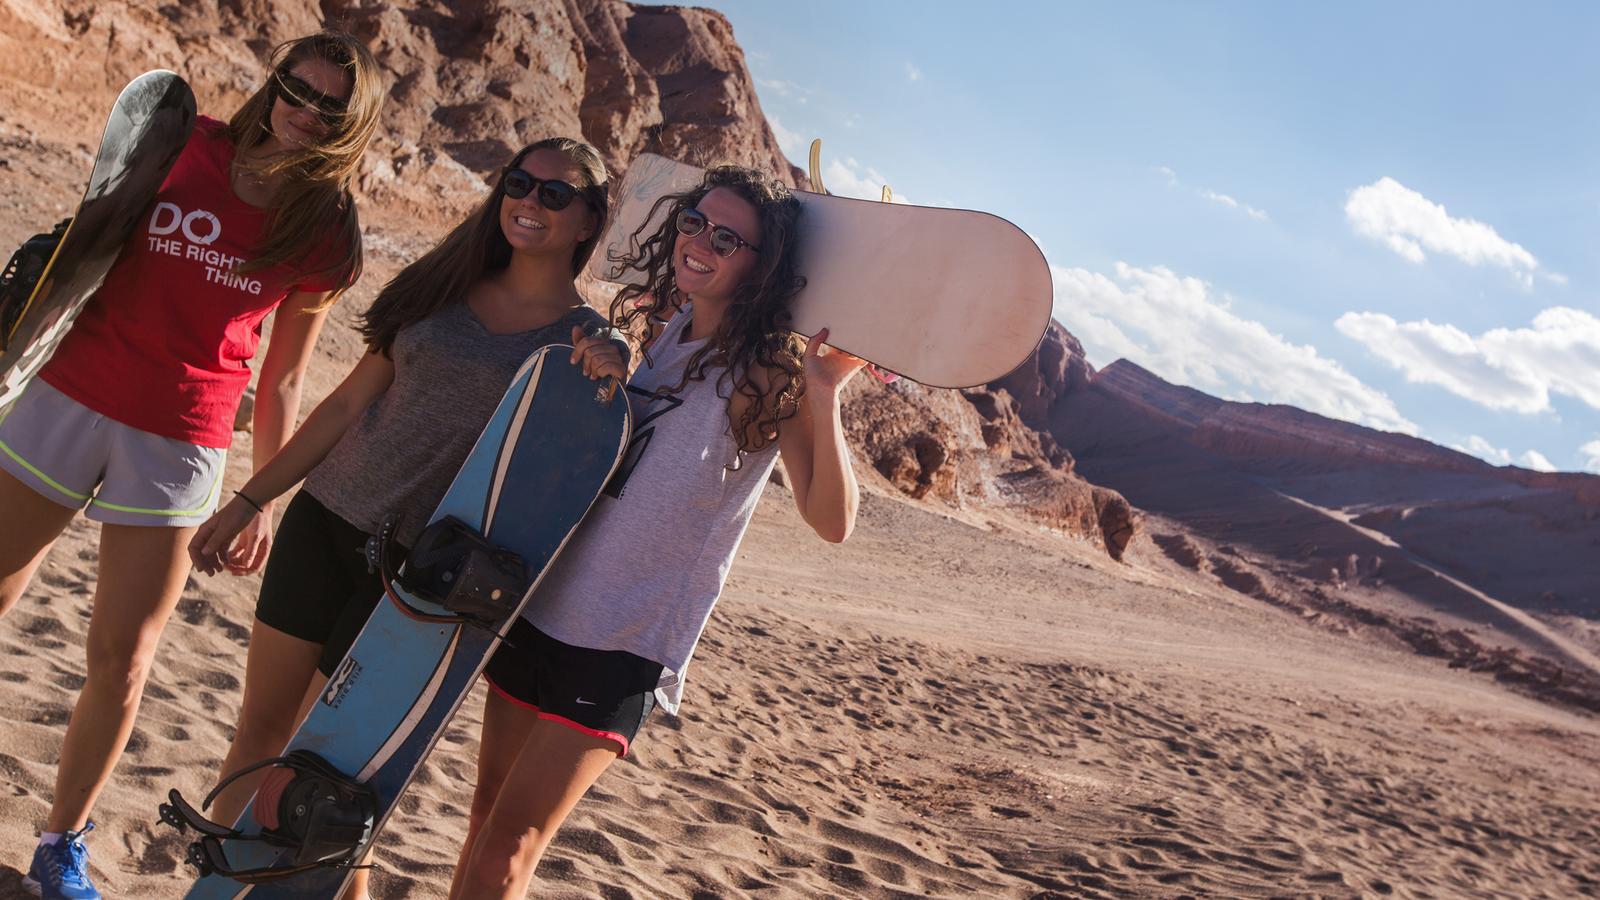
<point x="648" y="563"/>
<point x="402" y="453"/>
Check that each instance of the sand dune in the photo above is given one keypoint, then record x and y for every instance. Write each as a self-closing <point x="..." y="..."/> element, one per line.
<point x="929" y="710"/>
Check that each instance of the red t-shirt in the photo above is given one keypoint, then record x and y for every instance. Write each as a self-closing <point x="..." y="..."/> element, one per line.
<point x="165" y="344"/>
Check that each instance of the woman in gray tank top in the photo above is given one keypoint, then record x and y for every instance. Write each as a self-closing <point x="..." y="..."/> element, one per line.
<point x="444" y="339"/>
<point x="722" y="389"/>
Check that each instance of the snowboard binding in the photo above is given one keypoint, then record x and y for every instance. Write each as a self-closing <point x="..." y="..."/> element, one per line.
<point x="21" y="275"/>
<point x="304" y="805"/>
<point x="477" y="582"/>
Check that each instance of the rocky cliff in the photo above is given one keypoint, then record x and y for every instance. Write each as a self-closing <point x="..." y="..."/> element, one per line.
<point x="473" y="80"/>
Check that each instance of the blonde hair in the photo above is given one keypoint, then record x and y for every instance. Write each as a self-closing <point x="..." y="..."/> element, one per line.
<point x="313" y="222"/>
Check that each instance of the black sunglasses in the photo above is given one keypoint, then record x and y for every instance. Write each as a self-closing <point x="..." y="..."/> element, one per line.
<point x="554" y="195"/>
<point x="294" y="91"/>
<point x="724" y="240"/>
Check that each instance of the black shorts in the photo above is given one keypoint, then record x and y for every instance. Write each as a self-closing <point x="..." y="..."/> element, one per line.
<point x="316" y="586"/>
<point x="604" y="693"/>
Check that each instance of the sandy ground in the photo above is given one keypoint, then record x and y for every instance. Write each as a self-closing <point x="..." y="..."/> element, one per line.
<point x="930" y="709"/>
<point x="939" y="707"/>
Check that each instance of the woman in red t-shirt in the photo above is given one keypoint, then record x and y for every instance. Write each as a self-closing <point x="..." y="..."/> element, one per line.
<point x="131" y="418"/>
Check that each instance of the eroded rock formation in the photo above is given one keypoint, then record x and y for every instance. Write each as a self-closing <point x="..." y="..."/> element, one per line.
<point x="470" y="82"/>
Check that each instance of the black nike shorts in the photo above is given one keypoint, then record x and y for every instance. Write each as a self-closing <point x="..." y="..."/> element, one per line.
<point x="316" y="586"/>
<point x="603" y="693"/>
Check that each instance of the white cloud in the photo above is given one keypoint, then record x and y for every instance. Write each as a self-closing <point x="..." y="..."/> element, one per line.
<point x="913" y="74"/>
<point x="849" y="178"/>
<point x="1591" y="456"/>
<point x="1224" y="199"/>
<point x="1409" y="223"/>
<point x="1215" y="197"/>
<point x="791" y="142"/>
<point x="785" y="89"/>
<point x="1515" y="369"/>
<point x="1231" y="203"/>
<point x="1536" y="461"/>
<point x="844" y="178"/>
<point x="1481" y="448"/>
<point x="1174" y="327"/>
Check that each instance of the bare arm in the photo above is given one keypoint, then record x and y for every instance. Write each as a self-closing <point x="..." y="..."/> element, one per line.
<point x="294" y="337"/>
<point x="813" y="445"/>
<point x="293" y="461"/>
<point x="321" y="430"/>
<point x="295" y="327"/>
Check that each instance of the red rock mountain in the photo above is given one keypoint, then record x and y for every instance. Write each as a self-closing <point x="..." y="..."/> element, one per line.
<point x="1362" y="527"/>
<point x="471" y="81"/>
<point x="1241" y="471"/>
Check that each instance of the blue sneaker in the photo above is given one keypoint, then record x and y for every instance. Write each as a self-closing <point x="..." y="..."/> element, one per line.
<point x="61" y="870"/>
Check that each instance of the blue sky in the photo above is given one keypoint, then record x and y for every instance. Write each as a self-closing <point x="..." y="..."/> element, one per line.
<point x="1385" y="213"/>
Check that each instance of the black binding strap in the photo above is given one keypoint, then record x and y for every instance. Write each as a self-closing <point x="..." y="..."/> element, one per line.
<point x="454" y="566"/>
<point x="21" y="276"/>
<point x="323" y="818"/>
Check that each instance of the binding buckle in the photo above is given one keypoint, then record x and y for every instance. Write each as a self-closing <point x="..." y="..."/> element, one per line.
<point x="304" y="805"/>
<point x="454" y="566"/>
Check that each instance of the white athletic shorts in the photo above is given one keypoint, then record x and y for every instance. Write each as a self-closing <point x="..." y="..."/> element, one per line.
<point x="79" y="458"/>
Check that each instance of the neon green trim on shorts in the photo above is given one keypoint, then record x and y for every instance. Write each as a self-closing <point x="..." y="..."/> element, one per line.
<point x="34" y="470"/>
<point x="211" y="497"/>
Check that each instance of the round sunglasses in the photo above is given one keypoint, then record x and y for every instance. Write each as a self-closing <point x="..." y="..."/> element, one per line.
<point x="553" y="195"/>
<point x="724" y="240"/>
<point x="293" y="90"/>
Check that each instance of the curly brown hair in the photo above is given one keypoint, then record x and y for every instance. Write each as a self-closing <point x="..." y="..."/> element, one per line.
<point x="755" y="333"/>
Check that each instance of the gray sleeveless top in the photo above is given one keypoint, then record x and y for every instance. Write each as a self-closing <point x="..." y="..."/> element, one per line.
<point x="402" y="453"/>
<point x="644" y="569"/>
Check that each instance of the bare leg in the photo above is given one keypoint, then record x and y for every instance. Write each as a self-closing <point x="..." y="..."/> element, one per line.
<point x="142" y="573"/>
<point x="277" y="675"/>
<point x="30" y="525"/>
<point x="505" y="729"/>
<point x="556" y="767"/>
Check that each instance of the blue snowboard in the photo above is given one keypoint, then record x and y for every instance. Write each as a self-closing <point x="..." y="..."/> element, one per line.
<point x="553" y="443"/>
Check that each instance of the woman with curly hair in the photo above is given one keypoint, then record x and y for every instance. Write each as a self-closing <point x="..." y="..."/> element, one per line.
<point x="723" y="388"/>
<point x="131" y="419"/>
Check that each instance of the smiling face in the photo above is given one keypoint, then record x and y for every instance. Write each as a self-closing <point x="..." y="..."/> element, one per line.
<point x="297" y="127"/>
<point x="531" y="228"/>
<point x="699" y="270"/>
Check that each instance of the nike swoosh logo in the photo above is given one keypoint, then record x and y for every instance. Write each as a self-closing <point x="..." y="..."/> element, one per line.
<point x="585" y="702"/>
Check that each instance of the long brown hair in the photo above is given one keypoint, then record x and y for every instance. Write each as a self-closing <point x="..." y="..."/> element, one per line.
<point x="476" y="247"/>
<point x="315" y="197"/>
<point x="755" y="331"/>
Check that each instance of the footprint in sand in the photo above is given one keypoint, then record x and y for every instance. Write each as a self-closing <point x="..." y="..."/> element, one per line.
<point x="40" y="626"/>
